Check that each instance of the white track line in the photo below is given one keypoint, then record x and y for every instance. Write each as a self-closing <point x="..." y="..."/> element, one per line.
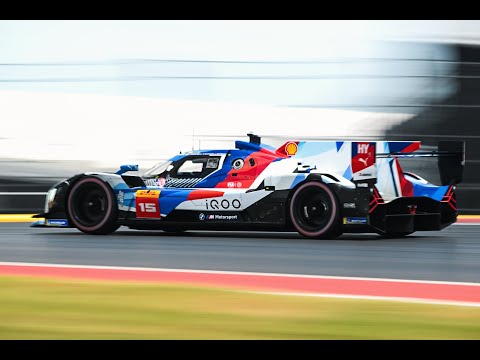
<point x="236" y="273"/>
<point x="380" y="298"/>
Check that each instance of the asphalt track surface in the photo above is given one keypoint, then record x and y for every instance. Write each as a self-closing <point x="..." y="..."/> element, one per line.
<point x="449" y="255"/>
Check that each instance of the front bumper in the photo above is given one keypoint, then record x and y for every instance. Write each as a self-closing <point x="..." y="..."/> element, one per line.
<point x="50" y="222"/>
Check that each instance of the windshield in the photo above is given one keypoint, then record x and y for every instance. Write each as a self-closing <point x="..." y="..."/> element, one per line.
<point x="159" y="169"/>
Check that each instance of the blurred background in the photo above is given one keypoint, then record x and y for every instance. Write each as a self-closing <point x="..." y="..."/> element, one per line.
<point x="79" y="96"/>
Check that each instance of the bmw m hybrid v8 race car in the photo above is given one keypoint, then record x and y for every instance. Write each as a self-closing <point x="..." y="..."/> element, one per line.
<point x="319" y="188"/>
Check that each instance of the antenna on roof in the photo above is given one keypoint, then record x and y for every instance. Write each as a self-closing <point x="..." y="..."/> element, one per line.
<point x="254" y="139"/>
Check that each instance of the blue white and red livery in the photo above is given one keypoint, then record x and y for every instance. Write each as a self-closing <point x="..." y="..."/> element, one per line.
<point x="319" y="188"/>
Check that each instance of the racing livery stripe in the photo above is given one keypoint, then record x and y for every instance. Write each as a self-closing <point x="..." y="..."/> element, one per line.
<point x="245" y="176"/>
<point x="204" y="194"/>
<point x="171" y="198"/>
<point x="403" y="146"/>
<point x="405" y="185"/>
<point x="414" y="146"/>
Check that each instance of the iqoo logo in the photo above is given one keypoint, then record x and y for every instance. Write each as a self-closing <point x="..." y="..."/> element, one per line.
<point x="223" y="204"/>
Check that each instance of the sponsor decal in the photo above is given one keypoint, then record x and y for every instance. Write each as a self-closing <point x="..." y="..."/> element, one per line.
<point x="120" y="197"/>
<point x="362" y="184"/>
<point x="226" y="217"/>
<point x="349" y="205"/>
<point x="56" y="222"/>
<point x="223" y="204"/>
<point x="146" y="204"/>
<point x="363" y="156"/>
<point x="232" y="184"/>
<point x="355" y="220"/>
<point x="218" y="217"/>
<point x="362" y="148"/>
<point x="291" y="148"/>
<point x="201" y="216"/>
<point x="148" y="193"/>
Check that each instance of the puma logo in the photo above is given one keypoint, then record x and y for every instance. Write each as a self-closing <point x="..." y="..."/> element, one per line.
<point x="364" y="161"/>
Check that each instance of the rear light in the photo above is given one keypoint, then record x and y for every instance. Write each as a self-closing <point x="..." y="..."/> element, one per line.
<point x="376" y="199"/>
<point x="449" y="198"/>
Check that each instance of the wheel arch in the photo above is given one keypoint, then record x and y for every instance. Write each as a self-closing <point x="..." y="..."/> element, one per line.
<point x="333" y="226"/>
<point x="309" y="178"/>
<point x="75" y="179"/>
<point x="108" y="222"/>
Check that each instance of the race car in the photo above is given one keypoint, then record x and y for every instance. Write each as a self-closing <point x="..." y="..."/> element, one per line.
<point x="320" y="189"/>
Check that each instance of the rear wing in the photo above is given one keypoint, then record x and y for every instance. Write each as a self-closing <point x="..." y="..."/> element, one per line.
<point x="451" y="160"/>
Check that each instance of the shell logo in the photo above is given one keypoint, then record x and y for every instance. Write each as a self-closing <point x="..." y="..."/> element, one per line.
<point x="291" y="148"/>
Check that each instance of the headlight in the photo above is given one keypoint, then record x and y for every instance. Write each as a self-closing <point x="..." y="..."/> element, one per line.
<point x="49" y="200"/>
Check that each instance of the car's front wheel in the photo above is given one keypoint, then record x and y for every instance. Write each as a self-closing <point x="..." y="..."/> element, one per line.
<point x="92" y="208"/>
<point x="314" y="211"/>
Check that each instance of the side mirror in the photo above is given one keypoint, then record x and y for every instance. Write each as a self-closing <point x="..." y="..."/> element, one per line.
<point x="125" y="168"/>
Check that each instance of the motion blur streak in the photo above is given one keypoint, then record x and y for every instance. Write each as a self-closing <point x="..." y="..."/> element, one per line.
<point x="450" y="292"/>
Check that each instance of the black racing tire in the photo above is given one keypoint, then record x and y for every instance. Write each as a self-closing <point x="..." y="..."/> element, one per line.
<point x="315" y="212"/>
<point x="92" y="208"/>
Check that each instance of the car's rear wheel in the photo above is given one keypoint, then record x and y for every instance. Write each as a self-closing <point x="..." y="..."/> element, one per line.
<point x="92" y="207"/>
<point x="314" y="211"/>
